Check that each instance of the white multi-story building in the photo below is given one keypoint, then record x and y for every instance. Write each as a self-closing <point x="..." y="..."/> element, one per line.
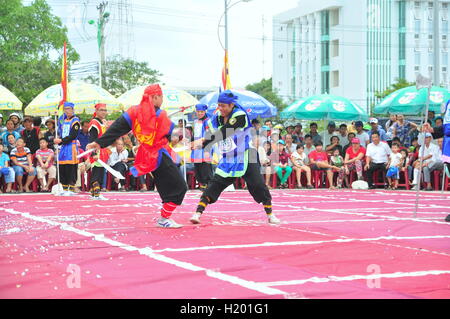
<point x="354" y="48"/>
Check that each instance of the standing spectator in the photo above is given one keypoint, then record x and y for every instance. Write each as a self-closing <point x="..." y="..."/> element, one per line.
<point x="376" y="158"/>
<point x="280" y="163"/>
<point x="255" y="123"/>
<point x="9" y="130"/>
<point x="118" y="161"/>
<point x="267" y="164"/>
<point x="354" y="158"/>
<point x="393" y="172"/>
<point x="361" y="134"/>
<point x="31" y="134"/>
<point x="269" y="124"/>
<point x="297" y="135"/>
<point x="45" y="157"/>
<point x="334" y="143"/>
<point x="2" y="128"/>
<point x="438" y="129"/>
<point x="50" y="134"/>
<point x="263" y="159"/>
<point x="15" y="117"/>
<point x="37" y="122"/>
<point x="22" y="163"/>
<point x="402" y="130"/>
<point x="83" y="134"/>
<point x="299" y="160"/>
<point x="309" y="147"/>
<point x="337" y="161"/>
<point x="330" y="131"/>
<point x="314" y="134"/>
<point x="319" y="161"/>
<point x="5" y="170"/>
<point x="431" y="117"/>
<point x="290" y="146"/>
<point x="431" y="162"/>
<point x="376" y="128"/>
<point x="389" y="128"/>
<point x="350" y="137"/>
<point x="343" y="139"/>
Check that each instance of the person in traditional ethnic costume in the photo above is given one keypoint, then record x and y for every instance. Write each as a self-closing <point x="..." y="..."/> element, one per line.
<point x="230" y="128"/>
<point x="446" y="142"/>
<point x="68" y="128"/>
<point x="152" y="127"/>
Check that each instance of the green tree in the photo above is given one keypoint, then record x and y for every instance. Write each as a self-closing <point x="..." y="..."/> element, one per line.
<point x="264" y="88"/>
<point x="400" y="84"/>
<point x="121" y="75"/>
<point x="31" y="48"/>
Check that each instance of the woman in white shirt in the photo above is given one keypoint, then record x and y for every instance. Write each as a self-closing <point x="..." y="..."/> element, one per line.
<point x="298" y="159"/>
<point x="118" y="161"/>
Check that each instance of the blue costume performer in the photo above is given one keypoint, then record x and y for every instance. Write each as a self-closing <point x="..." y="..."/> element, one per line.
<point x="200" y="157"/>
<point x="68" y="128"/>
<point x="230" y="129"/>
<point x="446" y="142"/>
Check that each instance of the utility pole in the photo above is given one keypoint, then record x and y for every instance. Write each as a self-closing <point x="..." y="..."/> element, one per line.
<point x="436" y="37"/>
<point x="102" y="20"/>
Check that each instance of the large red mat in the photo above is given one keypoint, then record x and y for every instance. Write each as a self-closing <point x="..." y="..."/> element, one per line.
<point x="331" y="244"/>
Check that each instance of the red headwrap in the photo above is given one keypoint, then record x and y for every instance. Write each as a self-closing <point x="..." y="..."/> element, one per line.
<point x="97" y="106"/>
<point x="146" y="110"/>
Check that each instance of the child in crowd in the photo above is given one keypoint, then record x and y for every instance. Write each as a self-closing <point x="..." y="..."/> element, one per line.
<point x="22" y="160"/>
<point x="299" y="159"/>
<point x="395" y="160"/>
<point x="45" y="157"/>
<point x="5" y="170"/>
<point x="337" y="161"/>
<point x="280" y="163"/>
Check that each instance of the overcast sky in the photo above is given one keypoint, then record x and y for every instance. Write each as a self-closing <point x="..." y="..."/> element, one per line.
<point x="180" y="38"/>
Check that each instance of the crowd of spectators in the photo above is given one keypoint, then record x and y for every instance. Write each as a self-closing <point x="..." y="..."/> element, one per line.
<point x="288" y="155"/>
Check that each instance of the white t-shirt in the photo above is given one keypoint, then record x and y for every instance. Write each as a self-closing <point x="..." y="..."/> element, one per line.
<point x="378" y="153"/>
<point x="363" y="138"/>
<point x="300" y="159"/>
<point x="432" y="150"/>
<point x="395" y="159"/>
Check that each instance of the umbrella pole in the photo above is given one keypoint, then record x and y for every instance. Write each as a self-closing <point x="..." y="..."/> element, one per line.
<point x="184" y="152"/>
<point x="422" y="150"/>
<point x="57" y="151"/>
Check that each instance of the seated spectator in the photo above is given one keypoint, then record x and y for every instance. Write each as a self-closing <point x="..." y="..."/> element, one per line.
<point x="354" y="158"/>
<point x="376" y="158"/>
<point x="350" y="137"/>
<point x="431" y="162"/>
<point x="405" y="162"/>
<point x="50" y="134"/>
<point x="45" y="157"/>
<point x="334" y="143"/>
<point x="142" y="179"/>
<point x="337" y="161"/>
<point x="31" y="134"/>
<point x="280" y="163"/>
<point x="83" y="134"/>
<point x="376" y="128"/>
<point x="389" y="128"/>
<point x="11" y="144"/>
<point x="402" y="129"/>
<point x="5" y="170"/>
<point x="9" y="131"/>
<point x="263" y="159"/>
<point x="393" y="167"/>
<point x="274" y="138"/>
<point x="290" y="146"/>
<point x="361" y="134"/>
<point x="298" y="159"/>
<point x="308" y="147"/>
<point x="23" y="164"/>
<point x="176" y="142"/>
<point x="118" y="161"/>
<point x="319" y="161"/>
<point x="329" y="132"/>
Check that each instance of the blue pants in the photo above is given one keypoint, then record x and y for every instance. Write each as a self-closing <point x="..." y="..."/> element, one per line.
<point x="20" y="171"/>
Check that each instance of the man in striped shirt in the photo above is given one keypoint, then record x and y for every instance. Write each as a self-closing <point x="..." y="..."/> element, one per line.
<point x="22" y="164"/>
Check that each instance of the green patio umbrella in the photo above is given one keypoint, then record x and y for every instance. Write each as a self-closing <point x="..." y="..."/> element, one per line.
<point x="410" y="101"/>
<point x="325" y="107"/>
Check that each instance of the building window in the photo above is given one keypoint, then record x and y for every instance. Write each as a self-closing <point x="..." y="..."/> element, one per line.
<point x="335" y="79"/>
<point x="335" y="48"/>
<point x="445" y="58"/>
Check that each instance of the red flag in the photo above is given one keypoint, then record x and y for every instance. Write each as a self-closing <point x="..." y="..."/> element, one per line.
<point x="225" y="74"/>
<point x="64" y="78"/>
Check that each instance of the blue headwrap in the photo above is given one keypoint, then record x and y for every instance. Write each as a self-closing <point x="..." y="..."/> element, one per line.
<point x="69" y="104"/>
<point x="227" y="97"/>
<point x="201" y="107"/>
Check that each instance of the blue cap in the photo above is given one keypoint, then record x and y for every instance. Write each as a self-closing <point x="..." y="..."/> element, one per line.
<point x="201" y="107"/>
<point x="281" y="142"/>
<point x="69" y="104"/>
<point x="265" y="128"/>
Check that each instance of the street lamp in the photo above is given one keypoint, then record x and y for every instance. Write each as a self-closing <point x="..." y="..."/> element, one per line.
<point x="228" y="6"/>
<point x="103" y="18"/>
